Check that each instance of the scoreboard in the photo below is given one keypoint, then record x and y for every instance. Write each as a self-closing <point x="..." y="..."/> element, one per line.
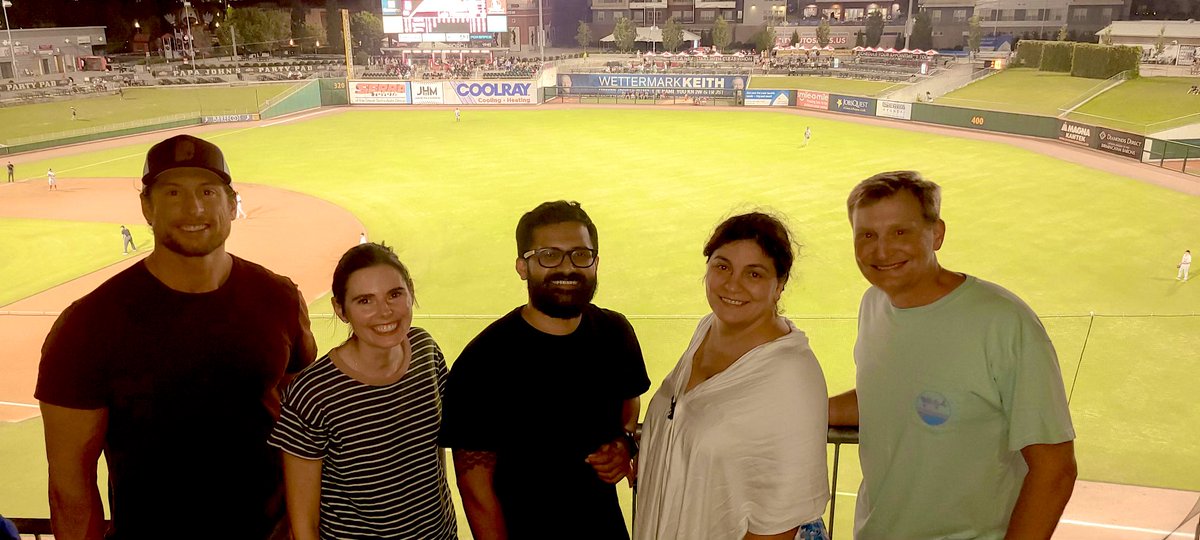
<point x="443" y="20"/>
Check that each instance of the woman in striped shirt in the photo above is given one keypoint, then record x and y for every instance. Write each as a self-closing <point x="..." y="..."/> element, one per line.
<point x="359" y="426"/>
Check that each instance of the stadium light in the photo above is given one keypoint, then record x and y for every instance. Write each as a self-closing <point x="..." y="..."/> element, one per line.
<point x="12" y="46"/>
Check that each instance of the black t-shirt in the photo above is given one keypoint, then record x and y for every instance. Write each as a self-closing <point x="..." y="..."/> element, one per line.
<point x="190" y="384"/>
<point x="542" y="403"/>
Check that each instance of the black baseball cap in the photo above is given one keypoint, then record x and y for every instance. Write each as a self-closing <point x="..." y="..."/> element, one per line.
<point x="184" y="151"/>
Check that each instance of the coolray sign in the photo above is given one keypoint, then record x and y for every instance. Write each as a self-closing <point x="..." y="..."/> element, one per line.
<point x="696" y="85"/>
<point x="852" y="104"/>
<point x="893" y="109"/>
<point x="494" y="92"/>
<point x="766" y="98"/>
<point x="427" y="93"/>
<point x="1120" y="143"/>
<point x="812" y="100"/>
<point x="379" y="93"/>
<point x="1077" y="133"/>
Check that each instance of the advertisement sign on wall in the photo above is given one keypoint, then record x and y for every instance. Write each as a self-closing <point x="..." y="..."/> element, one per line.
<point x="1120" y="143"/>
<point x="1078" y="134"/>
<point x="491" y="92"/>
<point x="766" y="98"/>
<point x="226" y="118"/>
<point x="427" y="93"/>
<point x="812" y="100"/>
<point x="852" y="104"/>
<point x="379" y="93"/>
<point x="894" y="109"/>
<point x="692" y="85"/>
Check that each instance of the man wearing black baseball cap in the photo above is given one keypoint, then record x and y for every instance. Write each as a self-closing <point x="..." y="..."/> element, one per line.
<point x="174" y="368"/>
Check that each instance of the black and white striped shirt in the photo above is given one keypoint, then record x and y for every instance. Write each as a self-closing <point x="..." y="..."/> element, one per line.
<point x="383" y="475"/>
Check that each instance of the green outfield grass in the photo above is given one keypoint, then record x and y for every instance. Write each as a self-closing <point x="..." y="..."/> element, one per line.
<point x="1144" y="105"/>
<point x="824" y="84"/>
<point x="144" y="103"/>
<point x="1022" y="90"/>
<point x="1066" y="238"/>
<point x="63" y="250"/>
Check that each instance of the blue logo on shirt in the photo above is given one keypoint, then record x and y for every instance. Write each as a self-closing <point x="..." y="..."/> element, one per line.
<point x="933" y="408"/>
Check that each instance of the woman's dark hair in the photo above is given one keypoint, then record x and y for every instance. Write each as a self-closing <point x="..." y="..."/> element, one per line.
<point x="366" y="256"/>
<point x="765" y="230"/>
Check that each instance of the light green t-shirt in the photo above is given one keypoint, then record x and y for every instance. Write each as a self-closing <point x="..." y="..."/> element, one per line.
<point x="948" y="395"/>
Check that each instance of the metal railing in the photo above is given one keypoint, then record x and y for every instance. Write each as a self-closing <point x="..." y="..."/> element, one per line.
<point x="837" y="437"/>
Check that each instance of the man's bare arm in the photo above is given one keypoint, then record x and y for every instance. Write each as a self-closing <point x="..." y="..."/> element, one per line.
<point x="1045" y="492"/>
<point x="74" y="441"/>
<point x="843" y="409"/>
<point x="475" y="471"/>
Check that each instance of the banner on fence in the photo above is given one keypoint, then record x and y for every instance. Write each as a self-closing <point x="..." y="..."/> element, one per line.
<point x="490" y="93"/>
<point x="766" y="98"/>
<point x="812" y="100"/>
<point x="894" y="109"/>
<point x="34" y="85"/>
<point x="614" y="84"/>
<point x="1080" y="134"/>
<point x="226" y="118"/>
<point x="427" y="93"/>
<point x="852" y="104"/>
<point x="379" y="93"/>
<point x="1120" y="143"/>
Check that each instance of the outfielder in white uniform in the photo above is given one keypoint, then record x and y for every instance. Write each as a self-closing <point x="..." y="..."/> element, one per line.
<point x="241" y="212"/>
<point x="1184" y="264"/>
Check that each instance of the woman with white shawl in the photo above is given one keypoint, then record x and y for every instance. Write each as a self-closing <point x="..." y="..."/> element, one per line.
<point x="733" y="443"/>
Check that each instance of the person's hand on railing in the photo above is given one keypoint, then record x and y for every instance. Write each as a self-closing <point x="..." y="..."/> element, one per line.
<point x="611" y="461"/>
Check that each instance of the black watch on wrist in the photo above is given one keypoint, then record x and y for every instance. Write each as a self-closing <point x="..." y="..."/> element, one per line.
<point x="631" y="443"/>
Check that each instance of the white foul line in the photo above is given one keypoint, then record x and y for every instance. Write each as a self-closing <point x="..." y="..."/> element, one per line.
<point x="14" y="404"/>
<point x="1124" y="528"/>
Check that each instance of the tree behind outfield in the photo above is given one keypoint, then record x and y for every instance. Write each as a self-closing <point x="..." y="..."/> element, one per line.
<point x="624" y="34"/>
<point x="764" y="39"/>
<point x="722" y="36"/>
<point x="367" y="31"/>
<point x="823" y="33"/>
<point x="922" y="34"/>
<point x="975" y="34"/>
<point x="258" y="29"/>
<point x="672" y="35"/>
<point x="333" y="24"/>
<point x="874" y="30"/>
<point x="583" y="36"/>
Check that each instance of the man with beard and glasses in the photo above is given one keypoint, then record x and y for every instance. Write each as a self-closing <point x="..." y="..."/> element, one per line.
<point x="541" y="406"/>
<point x="173" y="368"/>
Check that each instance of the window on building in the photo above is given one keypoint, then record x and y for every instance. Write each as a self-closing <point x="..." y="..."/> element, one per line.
<point x="1018" y="14"/>
<point x="810" y="11"/>
<point x="708" y="15"/>
<point x="935" y="15"/>
<point x="1106" y="14"/>
<point x="599" y="16"/>
<point x="960" y="15"/>
<point x="1079" y="14"/>
<point x="1043" y="14"/>
<point x="639" y="16"/>
<point x="730" y="16"/>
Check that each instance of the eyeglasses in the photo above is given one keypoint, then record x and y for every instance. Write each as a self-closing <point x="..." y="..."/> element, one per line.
<point x="553" y="257"/>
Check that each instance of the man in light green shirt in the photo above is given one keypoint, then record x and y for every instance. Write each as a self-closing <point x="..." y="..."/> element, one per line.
<point x="964" y="427"/>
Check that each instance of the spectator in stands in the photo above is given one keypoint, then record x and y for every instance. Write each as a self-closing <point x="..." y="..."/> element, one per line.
<point x="964" y="424"/>
<point x="339" y="484"/>
<point x="173" y="369"/>
<point x="583" y="360"/>
<point x="733" y="444"/>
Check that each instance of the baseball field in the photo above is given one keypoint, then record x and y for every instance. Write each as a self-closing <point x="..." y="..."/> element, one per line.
<point x="1093" y="251"/>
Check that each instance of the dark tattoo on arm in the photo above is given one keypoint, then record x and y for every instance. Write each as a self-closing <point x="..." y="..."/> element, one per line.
<point x="466" y="460"/>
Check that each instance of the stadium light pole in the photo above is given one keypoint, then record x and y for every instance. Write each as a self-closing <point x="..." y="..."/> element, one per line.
<point x="541" y="33"/>
<point x="12" y="46"/>
<point x="191" y="44"/>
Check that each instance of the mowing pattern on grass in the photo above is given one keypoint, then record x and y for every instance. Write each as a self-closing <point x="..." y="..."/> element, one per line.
<point x="1022" y="90"/>
<point x="144" y="103"/>
<point x="1144" y="105"/>
<point x="1066" y="238"/>
<point x="40" y="254"/>
<point x="825" y="84"/>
